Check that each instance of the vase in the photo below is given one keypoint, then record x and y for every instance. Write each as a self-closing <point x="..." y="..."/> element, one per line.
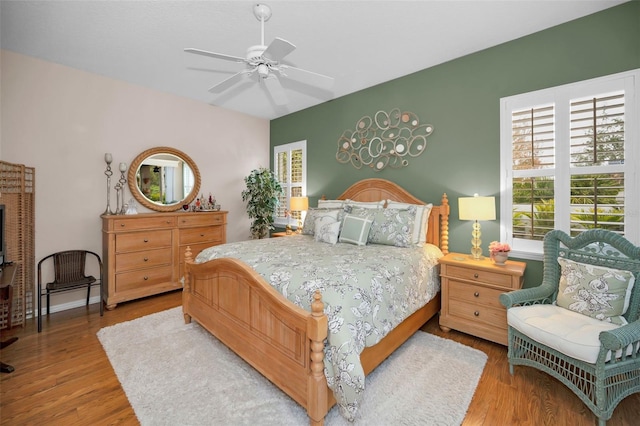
<point x="499" y="258"/>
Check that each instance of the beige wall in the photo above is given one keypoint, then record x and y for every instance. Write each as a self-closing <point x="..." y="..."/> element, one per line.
<point x="62" y="121"/>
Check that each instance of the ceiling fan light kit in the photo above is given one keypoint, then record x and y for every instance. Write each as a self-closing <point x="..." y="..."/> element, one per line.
<point x="266" y="62"/>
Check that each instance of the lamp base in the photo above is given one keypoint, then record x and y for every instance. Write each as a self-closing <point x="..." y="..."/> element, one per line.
<point x="476" y="249"/>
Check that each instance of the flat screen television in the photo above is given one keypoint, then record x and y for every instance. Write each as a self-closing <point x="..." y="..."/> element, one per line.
<point x="3" y="235"/>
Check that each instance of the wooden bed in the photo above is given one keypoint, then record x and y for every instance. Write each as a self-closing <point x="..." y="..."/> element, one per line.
<point x="279" y="339"/>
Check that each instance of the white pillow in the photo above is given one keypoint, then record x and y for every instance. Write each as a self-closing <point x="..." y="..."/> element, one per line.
<point x="327" y="230"/>
<point x="355" y="229"/>
<point x="330" y="204"/>
<point x="365" y="204"/>
<point x="308" y="228"/>
<point x="422" y="211"/>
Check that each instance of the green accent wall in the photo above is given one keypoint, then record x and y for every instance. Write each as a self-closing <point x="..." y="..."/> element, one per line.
<point x="461" y="99"/>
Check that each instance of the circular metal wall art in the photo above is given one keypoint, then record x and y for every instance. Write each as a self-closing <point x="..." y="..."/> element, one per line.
<point x="388" y="139"/>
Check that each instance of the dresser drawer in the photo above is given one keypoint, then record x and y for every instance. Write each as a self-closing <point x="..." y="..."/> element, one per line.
<point x="200" y="219"/>
<point x="487" y="277"/>
<point x="134" y="280"/>
<point x="136" y="241"/>
<point x="479" y="314"/>
<point x="200" y="235"/>
<point x="143" y="259"/>
<point x="474" y="293"/>
<point x="144" y="223"/>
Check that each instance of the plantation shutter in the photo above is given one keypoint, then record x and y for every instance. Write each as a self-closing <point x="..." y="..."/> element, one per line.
<point x="533" y="165"/>
<point x="289" y="164"/>
<point x="597" y="148"/>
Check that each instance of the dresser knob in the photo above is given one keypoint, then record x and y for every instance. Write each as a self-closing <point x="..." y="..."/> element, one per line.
<point x="122" y="225"/>
<point x="476" y="313"/>
<point x="476" y="294"/>
<point x="146" y="259"/>
<point x="146" y="241"/>
<point x="475" y="276"/>
<point x="146" y="278"/>
<point x="202" y="235"/>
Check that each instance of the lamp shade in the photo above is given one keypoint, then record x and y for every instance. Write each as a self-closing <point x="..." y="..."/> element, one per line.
<point x="477" y="208"/>
<point x="298" y="204"/>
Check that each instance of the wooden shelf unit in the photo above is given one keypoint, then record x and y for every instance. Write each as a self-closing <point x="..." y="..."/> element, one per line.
<point x="17" y="193"/>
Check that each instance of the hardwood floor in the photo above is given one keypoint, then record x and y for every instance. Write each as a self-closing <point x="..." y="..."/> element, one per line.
<point x="62" y="376"/>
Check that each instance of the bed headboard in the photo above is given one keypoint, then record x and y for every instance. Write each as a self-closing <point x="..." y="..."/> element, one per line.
<point x="375" y="189"/>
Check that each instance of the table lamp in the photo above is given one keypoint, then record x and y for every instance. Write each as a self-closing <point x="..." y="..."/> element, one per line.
<point x="299" y="204"/>
<point x="476" y="208"/>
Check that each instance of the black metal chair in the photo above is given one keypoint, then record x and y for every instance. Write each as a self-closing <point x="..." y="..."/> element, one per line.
<point x="69" y="274"/>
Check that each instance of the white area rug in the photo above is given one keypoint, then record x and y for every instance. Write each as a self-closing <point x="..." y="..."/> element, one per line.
<point x="178" y="374"/>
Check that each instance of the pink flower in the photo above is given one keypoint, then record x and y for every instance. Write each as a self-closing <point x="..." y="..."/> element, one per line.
<point x="496" y="247"/>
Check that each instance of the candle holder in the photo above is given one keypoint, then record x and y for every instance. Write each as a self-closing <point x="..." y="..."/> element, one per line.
<point x="108" y="159"/>
<point x="121" y="209"/>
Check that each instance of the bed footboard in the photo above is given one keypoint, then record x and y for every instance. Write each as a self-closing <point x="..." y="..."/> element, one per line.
<point x="282" y="341"/>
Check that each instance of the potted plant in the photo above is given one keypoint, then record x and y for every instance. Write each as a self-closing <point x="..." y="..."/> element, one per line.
<point x="499" y="252"/>
<point x="263" y="190"/>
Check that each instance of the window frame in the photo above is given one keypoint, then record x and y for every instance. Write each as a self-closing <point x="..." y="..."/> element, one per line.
<point x="561" y="97"/>
<point x="281" y="221"/>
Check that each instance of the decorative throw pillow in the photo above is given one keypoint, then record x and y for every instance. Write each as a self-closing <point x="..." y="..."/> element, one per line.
<point x="393" y="227"/>
<point x="308" y="228"/>
<point x="327" y="230"/>
<point x="355" y="229"/>
<point x="596" y="291"/>
<point x="422" y="213"/>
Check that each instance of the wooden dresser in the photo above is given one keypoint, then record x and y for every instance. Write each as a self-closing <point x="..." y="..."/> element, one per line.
<point x="143" y="254"/>
<point x="470" y="295"/>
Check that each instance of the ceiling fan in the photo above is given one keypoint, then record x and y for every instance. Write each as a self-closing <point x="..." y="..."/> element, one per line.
<point x="265" y="63"/>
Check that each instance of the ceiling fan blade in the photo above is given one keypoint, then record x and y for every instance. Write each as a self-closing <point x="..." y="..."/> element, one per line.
<point x="225" y="84"/>
<point x="307" y="77"/>
<point x="276" y="90"/>
<point x="278" y="49"/>
<point x="215" y="55"/>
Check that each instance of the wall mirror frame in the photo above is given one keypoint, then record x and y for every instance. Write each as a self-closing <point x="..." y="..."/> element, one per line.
<point x="161" y="160"/>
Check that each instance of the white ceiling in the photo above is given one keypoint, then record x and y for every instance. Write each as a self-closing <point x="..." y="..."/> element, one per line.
<point x="359" y="43"/>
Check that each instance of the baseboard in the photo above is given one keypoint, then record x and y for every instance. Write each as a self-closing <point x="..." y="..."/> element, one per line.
<point x="69" y="305"/>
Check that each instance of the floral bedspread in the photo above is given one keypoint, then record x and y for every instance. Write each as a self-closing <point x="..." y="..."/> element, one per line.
<point x="366" y="290"/>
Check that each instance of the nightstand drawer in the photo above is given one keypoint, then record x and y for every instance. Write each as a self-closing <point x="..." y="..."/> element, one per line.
<point x="480" y="314"/>
<point x="479" y="275"/>
<point x="476" y="294"/>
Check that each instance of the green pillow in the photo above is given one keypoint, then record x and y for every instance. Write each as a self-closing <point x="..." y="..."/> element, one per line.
<point x="596" y="291"/>
<point x="355" y="229"/>
<point x="393" y="227"/>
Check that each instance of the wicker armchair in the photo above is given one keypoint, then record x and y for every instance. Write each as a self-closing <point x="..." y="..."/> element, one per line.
<point x="598" y="360"/>
<point x="69" y="274"/>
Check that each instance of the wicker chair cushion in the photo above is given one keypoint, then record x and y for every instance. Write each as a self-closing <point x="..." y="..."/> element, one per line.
<point x="596" y="291"/>
<point x="571" y="333"/>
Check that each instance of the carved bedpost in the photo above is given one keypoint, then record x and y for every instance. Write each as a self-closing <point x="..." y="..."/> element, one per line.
<point x="317" y="329"/>
<point x="188" y="258"/>
<point x="444" y="225"/>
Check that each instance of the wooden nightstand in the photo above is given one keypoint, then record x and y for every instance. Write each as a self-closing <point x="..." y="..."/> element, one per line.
<point x="470" y="292"/>
<point x="282" y="234"/>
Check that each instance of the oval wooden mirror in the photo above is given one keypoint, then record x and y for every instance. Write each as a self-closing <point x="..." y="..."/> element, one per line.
<point x="164" y="179"/>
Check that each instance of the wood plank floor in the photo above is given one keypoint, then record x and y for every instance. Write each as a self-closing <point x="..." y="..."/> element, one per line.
<point x="63" y="376"/>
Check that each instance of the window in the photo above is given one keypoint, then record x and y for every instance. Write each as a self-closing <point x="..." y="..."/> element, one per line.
<point x="290" y="167"/>
<point x="568" y="155"/>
